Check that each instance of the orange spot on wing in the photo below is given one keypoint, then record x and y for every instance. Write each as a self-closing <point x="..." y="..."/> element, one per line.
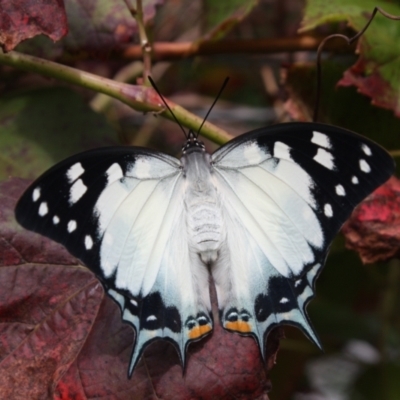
<point x="238" y="326"/>
<point x="199" y="331"/>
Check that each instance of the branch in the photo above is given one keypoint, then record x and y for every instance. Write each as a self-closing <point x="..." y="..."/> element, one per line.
<point x="140" y="98"/>
<point x="137" y="13"/>
<point x="177" y="50"/>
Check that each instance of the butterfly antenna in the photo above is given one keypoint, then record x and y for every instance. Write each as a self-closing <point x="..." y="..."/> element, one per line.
<point x="166" y="105"/>
<point x="213" y="104"/>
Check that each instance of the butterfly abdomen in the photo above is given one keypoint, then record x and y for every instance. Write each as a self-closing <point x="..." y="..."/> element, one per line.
<point x="204" y="217"/>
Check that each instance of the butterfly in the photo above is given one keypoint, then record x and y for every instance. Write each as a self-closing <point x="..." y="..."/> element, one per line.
<point x="258" y="214"/>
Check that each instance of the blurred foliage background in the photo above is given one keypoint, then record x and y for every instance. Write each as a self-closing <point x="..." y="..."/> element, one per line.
<point x="272" y="70"/>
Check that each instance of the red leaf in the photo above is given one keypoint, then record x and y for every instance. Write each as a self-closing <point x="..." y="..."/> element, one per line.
<point x="374" y="227"/>
<point x="23" y="19"/>
<point x="61" y="338"/>
<point x="372" y="85"/>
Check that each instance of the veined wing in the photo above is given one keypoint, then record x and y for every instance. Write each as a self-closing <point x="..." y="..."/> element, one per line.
<point x="120" y="211"/>
<point x="287" y="189"/>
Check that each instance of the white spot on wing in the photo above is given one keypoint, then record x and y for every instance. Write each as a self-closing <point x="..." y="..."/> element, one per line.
<point x="88" y="242"/>
<point x="321" y="140"/>
<point x="134" y="302"/>
<point x="340" y="190"/>
<point x="78" y="189"/>
<point x="36" y="194"/>
<point x="354" y="180"/>
<point x="282" y="150"/>
<point x="252" y="153"/>
<point x="71" y="226"/>
<point x="56" y="220"/>
<point x="297" y="283"/>
<point x="43" y="209"/>
<point x="364" y="166"/>
<point x="328" y="210"/>
<point x="366" y="150"/>
<point x="74" y="172"/>
<point x="283" y="300"/>
<point x="142" y="168"/>
<point x="324" y="158"/>
<point x="232" y="314"/>
<point x="114" y="173"/>
<point x="151" y="318"/>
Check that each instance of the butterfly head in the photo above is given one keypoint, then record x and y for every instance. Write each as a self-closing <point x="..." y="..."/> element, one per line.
<point x="192" y="144"/>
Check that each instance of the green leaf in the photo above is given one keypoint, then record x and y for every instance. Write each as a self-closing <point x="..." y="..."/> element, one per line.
<point x="41" y="127"/>
<point x="377" y="71"/>
<point x="222" y="16"/>
<point x="356" y="12"/>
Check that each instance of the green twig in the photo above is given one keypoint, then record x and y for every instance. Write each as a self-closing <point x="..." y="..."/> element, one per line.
<point x="140" y="98"/>
<point x="128" y="73"/>
<point x="137" y="13"/>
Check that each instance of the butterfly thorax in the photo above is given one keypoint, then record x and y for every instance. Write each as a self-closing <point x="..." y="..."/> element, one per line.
<point x="204" y="216"/>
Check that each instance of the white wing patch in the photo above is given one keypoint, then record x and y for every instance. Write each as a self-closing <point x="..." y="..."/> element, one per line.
<point x="143" y="168"/>
<point x="78" y="189"/>
<point x="74" y="172"/>
<point x="150" y="168"/>
<point x="121" y="210"/>
<point x="328" y="210"/>
<point x="243" y="156"/>
<point x="88" y="242"/>
<point x="283" y="300"/>
<point x="325" y="158"/>
<point x="252" y="153"/>
<point x="294" y="177"/>
<point x="114" y="173"/>
<point x="279" y="216"/>
<point x="364" y="166"/>
<point x="366" y="149"/>
<point x="340" y="190"/>
<point x="43" y="209"/>
<point x="321" y="139"/>
<point x="72" y="225"/>
<point x="36" y="194"/>
<point x="282" y="151"/>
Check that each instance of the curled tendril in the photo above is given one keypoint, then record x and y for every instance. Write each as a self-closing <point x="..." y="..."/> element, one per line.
<point x="349" y="41"/>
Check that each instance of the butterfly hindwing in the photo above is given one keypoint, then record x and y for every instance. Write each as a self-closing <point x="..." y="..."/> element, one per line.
<point x="119" y="210"/>
<point x="287" y="190"/>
